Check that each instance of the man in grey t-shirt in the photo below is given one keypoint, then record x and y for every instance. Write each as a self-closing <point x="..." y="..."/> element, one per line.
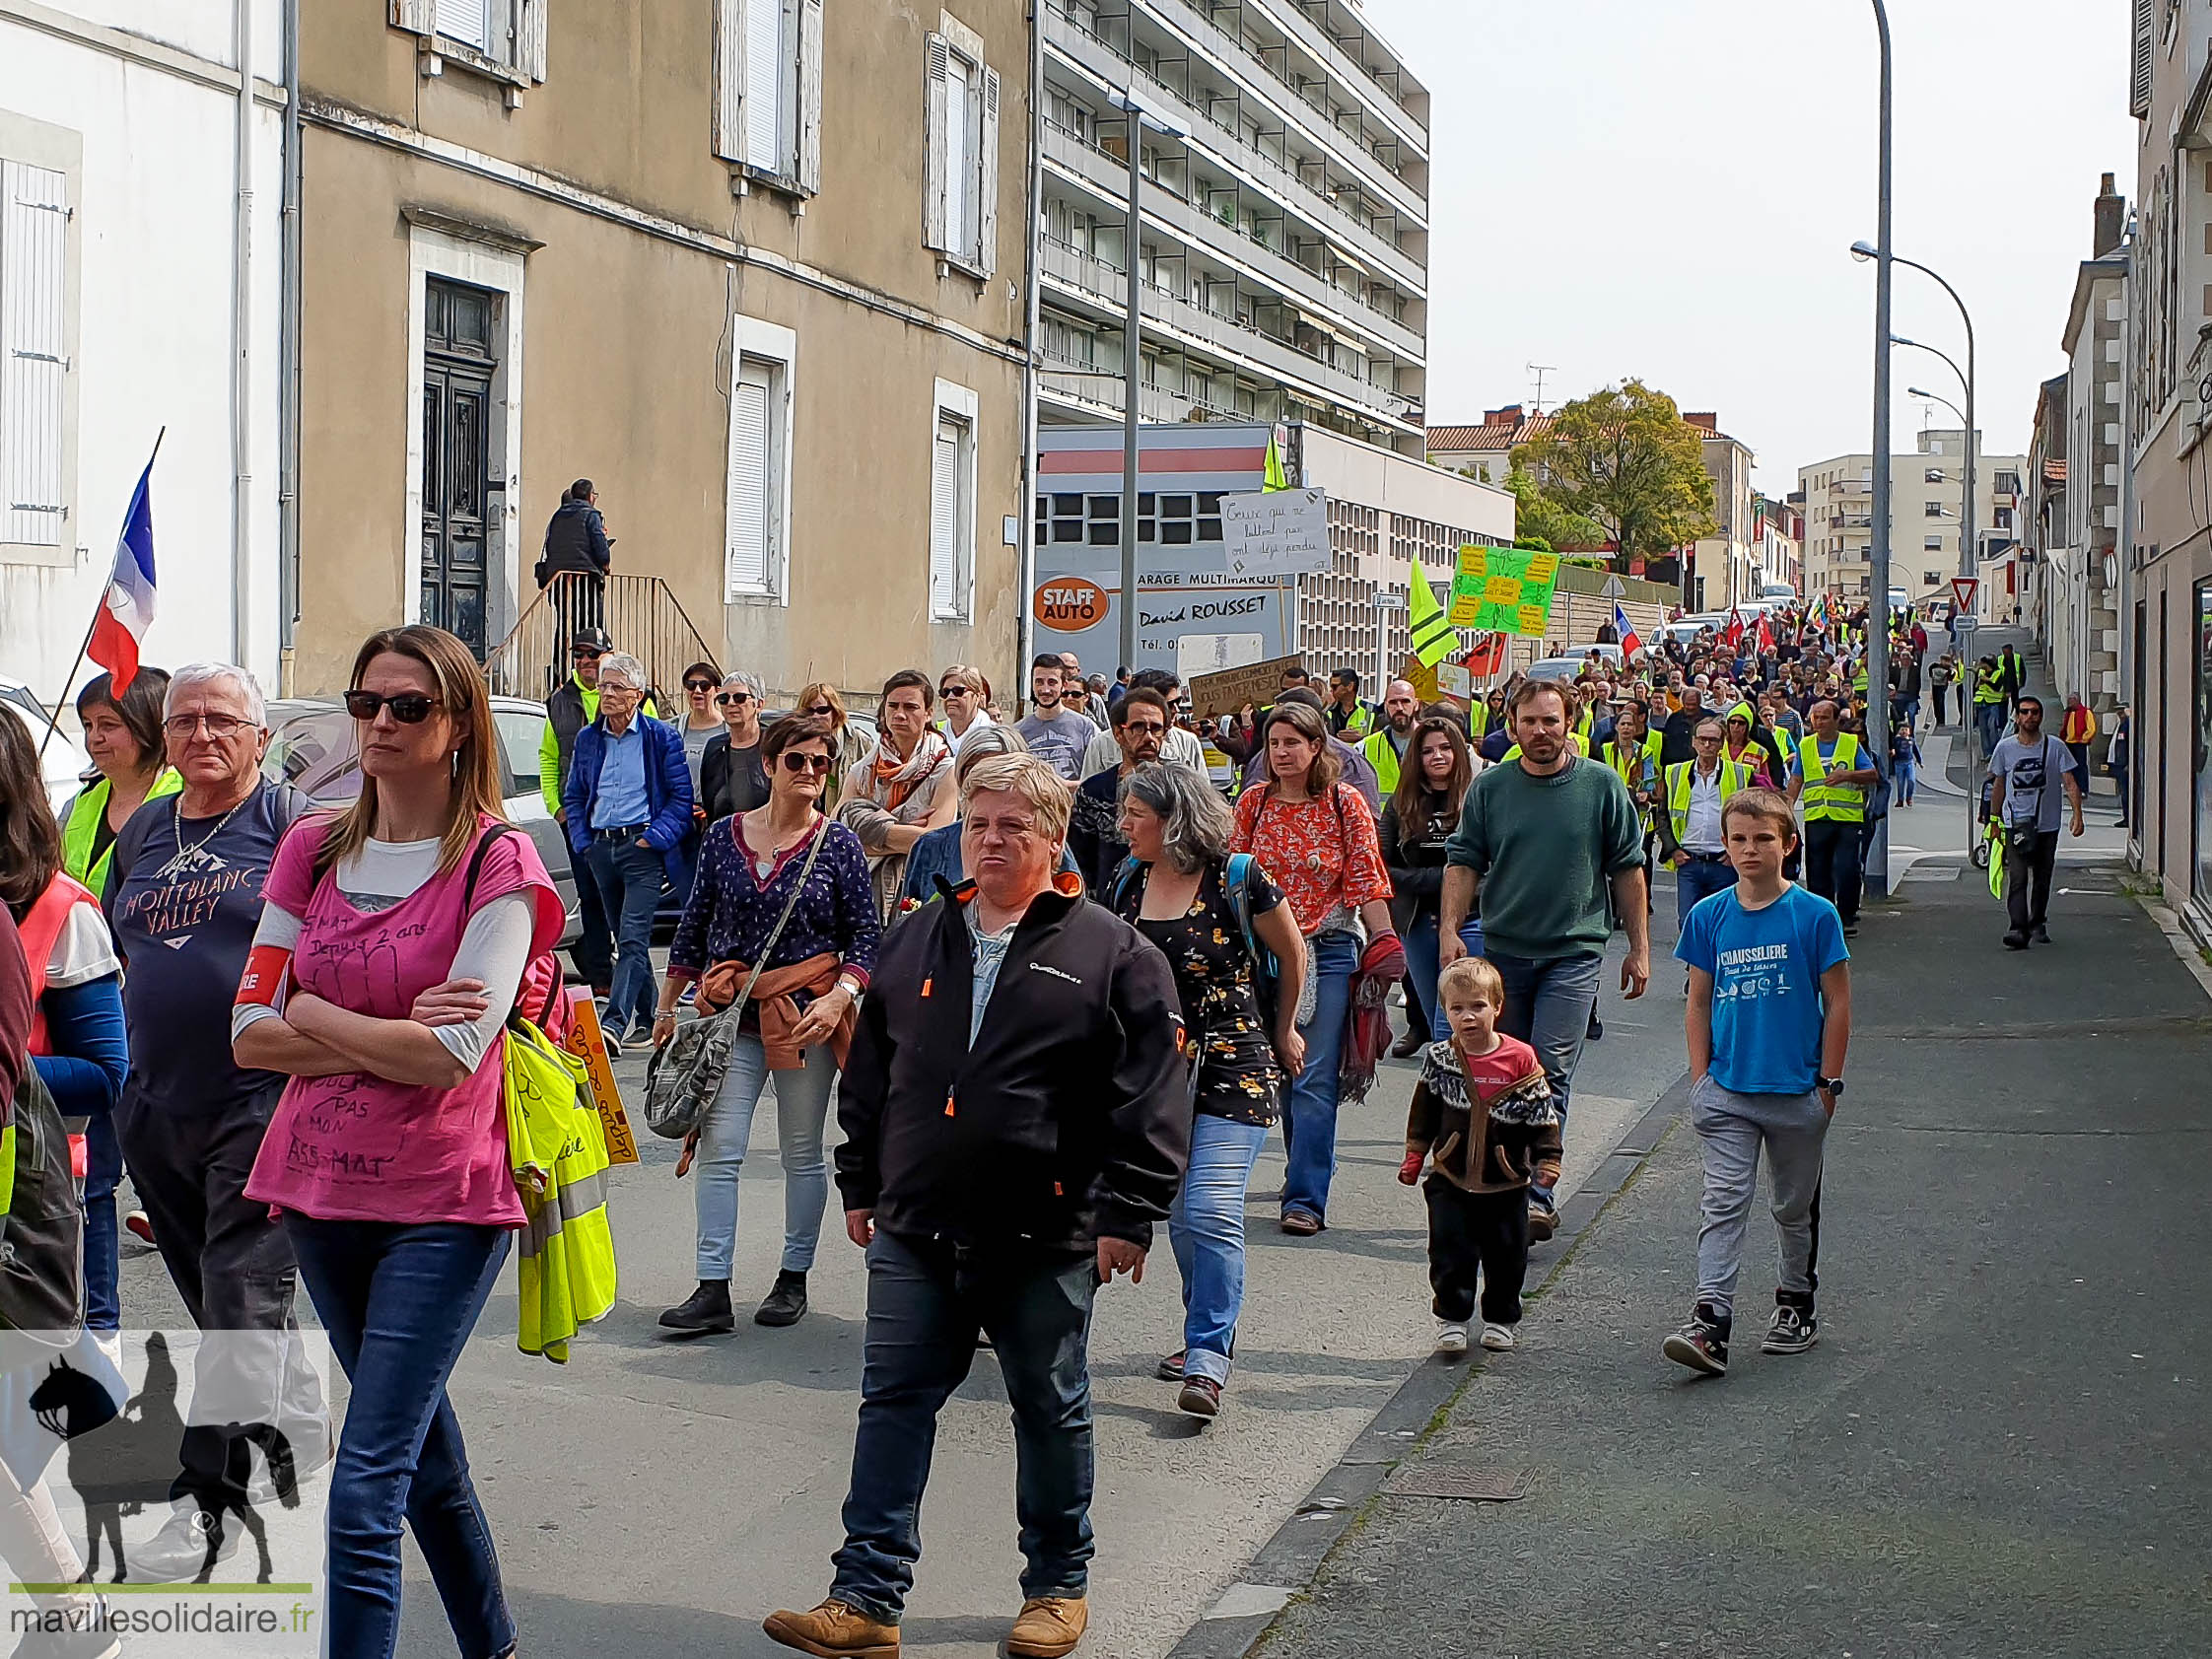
<point x="2029" y="769"/>
<point x="1055" y="731"/>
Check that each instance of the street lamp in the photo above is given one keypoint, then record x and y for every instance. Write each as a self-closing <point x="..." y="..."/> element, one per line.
<point x="1133" y="342"/>
<point x="1878" y="599"/>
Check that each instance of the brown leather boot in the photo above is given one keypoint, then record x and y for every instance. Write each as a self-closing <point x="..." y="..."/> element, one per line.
<point x="1047" y="1627"/>
<point x="834" y="1630"/>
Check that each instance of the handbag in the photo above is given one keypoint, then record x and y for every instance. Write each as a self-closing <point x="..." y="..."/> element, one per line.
<point x="43" y="1245"/>
<point x="685" y="1074"/>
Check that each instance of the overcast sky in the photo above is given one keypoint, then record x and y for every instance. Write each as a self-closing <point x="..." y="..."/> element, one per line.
<point x="1668" y="187"/>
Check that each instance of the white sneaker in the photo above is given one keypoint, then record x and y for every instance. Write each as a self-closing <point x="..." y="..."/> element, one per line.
<point x="180" y="1549"/>
<point x="1498" y="1338"/>
<point x="1451" y="1338"/>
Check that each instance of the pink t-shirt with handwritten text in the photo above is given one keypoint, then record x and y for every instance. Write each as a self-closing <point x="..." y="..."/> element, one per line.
<point x="356" y="1147"/>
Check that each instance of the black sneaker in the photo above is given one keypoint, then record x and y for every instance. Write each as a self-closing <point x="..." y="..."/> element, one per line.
<point x="1850" y="930"/>
<point x="786" y="1302"/>
<point x="2016" y="940"/>
<point x="2039" y="933"/>
<point x="1596" y="1031"/>
<point x="1793" y="1331"/>
<point x="705" y="1311"/>
<point x="1701" y="1344"/>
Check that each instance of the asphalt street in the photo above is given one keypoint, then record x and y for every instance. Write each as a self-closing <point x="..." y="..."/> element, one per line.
<point x="1998" y="1446"/>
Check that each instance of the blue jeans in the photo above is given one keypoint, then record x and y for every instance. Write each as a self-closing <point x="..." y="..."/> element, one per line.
<point x="399" y="1302"/>
<point x="1697" y="880"/>
<point x="1902" y="777"/>
<point x="103" y="1171"/>
<point x="926" y="1301"/>
<point x="1420" y="943"/>
<point x="1548" y="1004"/>
<point x="801" y="1108"/>
<point x="629" y="878"/>
<point x="1309" y="1119"/>
<point x="1990" y="719"/>
<point x="1206" y="1231"/>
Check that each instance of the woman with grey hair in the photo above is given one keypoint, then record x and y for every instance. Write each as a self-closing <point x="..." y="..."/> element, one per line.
<point x="1209" y="913"/>
<point x="731" y="778"/>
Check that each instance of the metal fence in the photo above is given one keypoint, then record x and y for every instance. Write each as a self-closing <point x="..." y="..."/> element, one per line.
<point x="640" y="613"/>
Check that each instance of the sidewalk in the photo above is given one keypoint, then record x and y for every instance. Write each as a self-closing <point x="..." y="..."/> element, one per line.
<point x="1999" y="1445"/>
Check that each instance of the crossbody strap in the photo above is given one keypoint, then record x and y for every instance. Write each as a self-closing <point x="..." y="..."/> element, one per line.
<point x="805" y="869"/>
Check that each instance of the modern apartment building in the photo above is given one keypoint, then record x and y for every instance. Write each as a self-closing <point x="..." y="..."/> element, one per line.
<point x="1927" y="488"/>
<point x="754" y="267"/>
<point x="1283" y="243"/>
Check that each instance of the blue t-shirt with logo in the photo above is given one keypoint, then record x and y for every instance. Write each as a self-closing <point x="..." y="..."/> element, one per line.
<point x="1766" y="966"/>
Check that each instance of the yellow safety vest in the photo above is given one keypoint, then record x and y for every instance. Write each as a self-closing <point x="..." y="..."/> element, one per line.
<point x="1989" y="687"/>
<point x="1734" y="775"/>
<point x="1382" y="755"/>
<point x="84" y="825"/>
<point x="1478" y="720"/>
<point x="1846" y="803"/>
<point x="1580" y="742"/>
<point x="1650" y="748"/>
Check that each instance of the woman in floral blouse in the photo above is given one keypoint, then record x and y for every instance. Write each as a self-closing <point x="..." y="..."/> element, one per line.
<point x="1177" y="893"/>
<point x="1316" y="837"/>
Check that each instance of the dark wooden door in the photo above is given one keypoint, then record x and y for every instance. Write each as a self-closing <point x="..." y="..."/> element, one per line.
<point x="459" y="362"/>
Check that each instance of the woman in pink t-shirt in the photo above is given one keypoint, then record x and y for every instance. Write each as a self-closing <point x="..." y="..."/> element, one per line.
<point x="396" y="938"/>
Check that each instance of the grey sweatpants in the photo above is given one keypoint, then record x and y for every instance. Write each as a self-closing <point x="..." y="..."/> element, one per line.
<point x="1731" y="1129"/>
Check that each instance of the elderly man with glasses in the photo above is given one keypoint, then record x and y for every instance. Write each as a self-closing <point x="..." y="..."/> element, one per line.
<point x="627" y="808"/>
<point x="184" y="897"/>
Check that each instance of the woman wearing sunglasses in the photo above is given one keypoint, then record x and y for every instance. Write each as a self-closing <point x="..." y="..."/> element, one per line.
<point x="731" y="777"/>
<point x="783" y="893"/>
<point x="397" y="937"/>
<point x="964" y="692"/>
<point x="701" y="725"/>
<point x="850" y="747"/>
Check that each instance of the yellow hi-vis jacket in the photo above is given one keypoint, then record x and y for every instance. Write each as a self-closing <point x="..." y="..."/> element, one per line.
<point x="565" y="1252"/>
<point x="85" y="814"/>
<point x="1844" y="802"/>
<point x="1382" y="755"/>
<point x="1734" y="775"/>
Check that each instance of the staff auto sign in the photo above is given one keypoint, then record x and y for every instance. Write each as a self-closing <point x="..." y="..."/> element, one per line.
<point x="1070" y="604"/>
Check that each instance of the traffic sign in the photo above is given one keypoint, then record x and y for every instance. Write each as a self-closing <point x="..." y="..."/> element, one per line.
<point x="1612" y="588"/>
<point x="1964" y="589"/>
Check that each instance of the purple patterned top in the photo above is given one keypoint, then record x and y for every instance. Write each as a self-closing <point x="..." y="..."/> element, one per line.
<point x="732" y="910"/>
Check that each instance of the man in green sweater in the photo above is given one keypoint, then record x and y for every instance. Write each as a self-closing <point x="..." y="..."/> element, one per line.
<point x="1542" y="839"/>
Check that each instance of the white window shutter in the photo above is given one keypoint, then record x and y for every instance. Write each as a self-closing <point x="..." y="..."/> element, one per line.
<point x="34" y="312"/>
<point x="529" y="38"/>
<point x="810" y="168"/>
<point x="944" y="522"/>
<point x="763" y="84"/>
<point x="987" y="178"/>
<point x="729" y="80"/>
<point x="417" y="17"/>
<point x="935" y="139"/>
<point x="747" y="540"/>
<point x="469" y="21"/>
<point x="2140" y="60"/>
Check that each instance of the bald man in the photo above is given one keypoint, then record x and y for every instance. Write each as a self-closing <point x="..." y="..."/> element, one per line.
<point x="1385" y="748"/>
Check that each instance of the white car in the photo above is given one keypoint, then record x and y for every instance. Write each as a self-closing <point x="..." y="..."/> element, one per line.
<point x="62" y="762"/>
<point x="1578" y="654"/>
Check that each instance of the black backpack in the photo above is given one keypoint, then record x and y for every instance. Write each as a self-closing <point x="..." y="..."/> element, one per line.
<point x="42" y="1236"/>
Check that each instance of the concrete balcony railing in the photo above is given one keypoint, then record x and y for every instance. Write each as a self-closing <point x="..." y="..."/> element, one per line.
<point x="1111" y="67"/>
<point x="1294" y="22"/>
<point x="1109" y="175"/>
<point x="1851" y="487"/>
<point x="1270" y="358"/>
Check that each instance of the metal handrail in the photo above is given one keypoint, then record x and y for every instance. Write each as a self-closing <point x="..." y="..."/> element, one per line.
<point x="640" y="613"/>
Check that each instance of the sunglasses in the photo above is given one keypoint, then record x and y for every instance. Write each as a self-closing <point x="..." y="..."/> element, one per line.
<point x="824" y="710"/>
<point x="1144" y="725"/>
<point x="409" y="707"/>
<point x="699" y="685"/>
<point x="730" y="699"/>
<point x="586" y="655"/>
<point x="951" y="691"/>
<point x="794" y="764"/>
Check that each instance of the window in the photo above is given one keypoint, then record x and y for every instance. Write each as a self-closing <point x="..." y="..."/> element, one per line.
<point x="502" y="38"/>
<point x="35" y="472"/>
<point x="1933" y="475"/>
<point x="1931" y="579"/>
<point x="1931" y="544"/>
<point x="756" y="537"/>
<point x="1932" y="508"/>
<point x="768" y="90"/>
<point x="2007" y="484"/>
<point x="2004" y="517"/>
<point x="960" y="175"/>
<point x="953" y="503"/>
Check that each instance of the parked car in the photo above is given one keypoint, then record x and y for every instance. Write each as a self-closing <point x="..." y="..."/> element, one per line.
<point x="1582" y="653"/>
<point x="1555" y="668"/>
<point x="62" y="762"/>
<point x="311" y="747"/>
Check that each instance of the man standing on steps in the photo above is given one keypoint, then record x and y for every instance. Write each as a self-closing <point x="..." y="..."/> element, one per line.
<point x="1832" y="775"/>
<point x="1547" y="839"/>
<point x="2030" y="768"/>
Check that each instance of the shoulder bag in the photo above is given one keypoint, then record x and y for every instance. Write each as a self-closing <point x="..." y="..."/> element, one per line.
<point x="685" y="1075"/>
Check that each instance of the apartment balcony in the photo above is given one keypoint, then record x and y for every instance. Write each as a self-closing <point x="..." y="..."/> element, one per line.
<point x="1108" y="176"/>
<point x="1294" y="22"/>
<point x="1851" y="487"/>
<point x="1109" y="67"/>
<point x="1106" y="287"/>
<point x="1862" y="524"/>
<point x="1102" y="395"/>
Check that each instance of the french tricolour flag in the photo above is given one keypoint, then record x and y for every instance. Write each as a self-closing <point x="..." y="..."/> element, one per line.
<point x="1629" y="642"/>
<point x="128" y="610"/>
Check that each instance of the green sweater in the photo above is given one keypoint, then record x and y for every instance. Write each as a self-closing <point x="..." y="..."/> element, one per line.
<point x="1544" y="849"/>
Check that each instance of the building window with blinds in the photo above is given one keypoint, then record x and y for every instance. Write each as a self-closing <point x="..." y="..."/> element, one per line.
<point x="953" y="503"/>
<point x="756" y="537"/>
<point x="35" y="407"/>
<point x="960" y="137"/>
<point x="768" y="90"/>
<point x="504" y="40"/>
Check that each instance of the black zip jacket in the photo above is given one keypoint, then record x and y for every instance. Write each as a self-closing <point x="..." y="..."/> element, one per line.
<point x="1068" y="1121"/>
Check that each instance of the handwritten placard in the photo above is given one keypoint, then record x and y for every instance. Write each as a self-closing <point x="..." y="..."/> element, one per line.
<point x="1231" y="689"/>
<point x="587" y="1044"/>
<point x="1507" y="589"/>
<point x="1275" y="534"/>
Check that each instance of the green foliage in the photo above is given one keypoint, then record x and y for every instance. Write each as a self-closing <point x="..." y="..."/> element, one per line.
<point x="1543" y="524"/>
<point x="1624" y="458"/>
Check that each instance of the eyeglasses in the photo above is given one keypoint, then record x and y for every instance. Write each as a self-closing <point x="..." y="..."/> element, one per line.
<point x="1141" y="726"/>
<point x="617" y="687"/>
<point x="409" y="707"/>
<point x="219" y="726"/>
<point x="699" y="685"/>
<point x="730" y="699"/>
<point x="824" y="710"/>
<point x="795" y="763"/>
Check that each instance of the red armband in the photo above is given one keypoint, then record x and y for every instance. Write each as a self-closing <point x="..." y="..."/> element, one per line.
<point x="266" y="968"/>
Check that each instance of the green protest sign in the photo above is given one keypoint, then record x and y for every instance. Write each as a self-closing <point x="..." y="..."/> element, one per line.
<point x="1505" y="589"/>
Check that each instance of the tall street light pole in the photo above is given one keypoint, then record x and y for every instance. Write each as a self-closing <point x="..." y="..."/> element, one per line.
<point x="1878" y="596"/>
<point x="1965" y="732"/>
<point x="1133" y="341"/>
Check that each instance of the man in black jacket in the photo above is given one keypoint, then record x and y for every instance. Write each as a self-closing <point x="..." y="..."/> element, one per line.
<point x="1016" y="1118"/>
<point x="577" y="544"/>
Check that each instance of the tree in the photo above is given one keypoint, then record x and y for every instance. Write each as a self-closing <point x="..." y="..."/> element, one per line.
<point x="1625" y="458"/>
<point x="1543" y="524"/>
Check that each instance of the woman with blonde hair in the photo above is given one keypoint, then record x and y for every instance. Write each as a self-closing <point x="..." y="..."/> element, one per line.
<point x="966" y="695"/>
<point x="851" y="748"/>
<point x="395" y="939"/>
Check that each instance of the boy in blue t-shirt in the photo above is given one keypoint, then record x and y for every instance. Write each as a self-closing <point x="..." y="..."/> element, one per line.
<point x="1768" y="1024"/>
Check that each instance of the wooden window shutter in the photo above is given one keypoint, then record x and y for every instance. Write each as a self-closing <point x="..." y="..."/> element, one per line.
<point x="935" y="140"/>
<point x="417" y="17"/>
<point x="729" y="80"/>
<point x="33" y="372"/>
<point x="987" y="178"/>
<point x="529" y="38"/>
<point x="2142" y="57"/>
<point x="809" y="162"/>
<point x="764" y="86"/>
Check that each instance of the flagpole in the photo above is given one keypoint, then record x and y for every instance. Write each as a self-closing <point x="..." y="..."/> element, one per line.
<point x="53" y="719"/>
